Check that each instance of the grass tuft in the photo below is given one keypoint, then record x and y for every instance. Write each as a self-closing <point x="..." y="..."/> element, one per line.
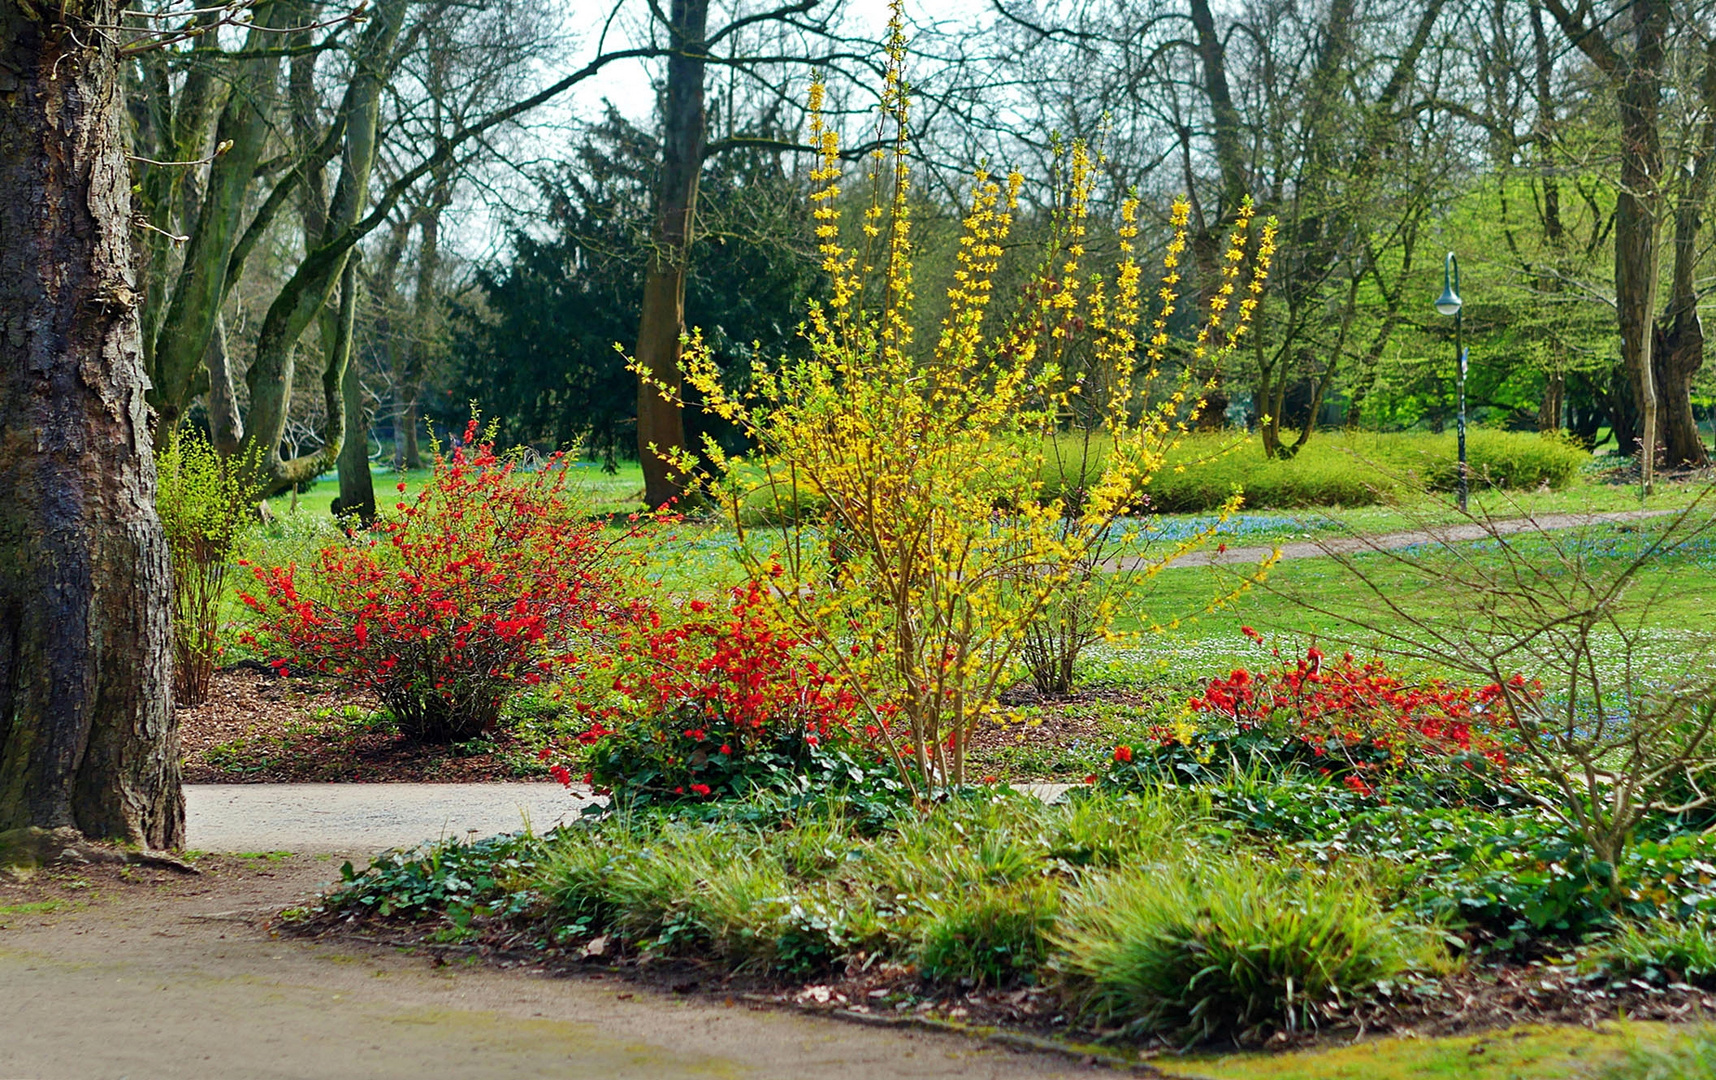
<point x="1233" y="951"/>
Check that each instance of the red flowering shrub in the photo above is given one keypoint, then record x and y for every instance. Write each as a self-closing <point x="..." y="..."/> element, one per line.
<point x="487" y="582"/>
<point x="1343" y="719"/>
<point x="1359" y="713"/>
<point x="722" y="703"/>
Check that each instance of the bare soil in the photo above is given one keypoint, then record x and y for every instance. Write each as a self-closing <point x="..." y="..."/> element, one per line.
<point x="257" y="727"/>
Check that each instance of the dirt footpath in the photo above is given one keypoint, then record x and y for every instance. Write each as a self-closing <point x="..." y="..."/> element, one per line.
<point x="124" y="972"/>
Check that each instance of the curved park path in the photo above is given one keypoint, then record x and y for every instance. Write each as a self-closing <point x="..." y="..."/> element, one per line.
<point x="1459" y="532"/>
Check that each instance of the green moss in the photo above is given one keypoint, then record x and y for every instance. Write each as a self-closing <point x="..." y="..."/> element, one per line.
<point x="1522" y="1053"/>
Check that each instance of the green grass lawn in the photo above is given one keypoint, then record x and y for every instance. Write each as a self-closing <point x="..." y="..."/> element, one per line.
<point x="697" y="558"/>
<point x="606" y="493"/>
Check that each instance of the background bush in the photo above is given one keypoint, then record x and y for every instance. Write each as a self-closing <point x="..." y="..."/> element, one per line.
<point x="207" y="509"/>
<point x="1344" y="469"/>
<point x="489" y="581"/>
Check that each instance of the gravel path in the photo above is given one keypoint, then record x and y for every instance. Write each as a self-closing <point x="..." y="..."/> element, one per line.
<point x="310" y="818"/>
<point x="1435" y="534"/>
<point x="367" y="818"/>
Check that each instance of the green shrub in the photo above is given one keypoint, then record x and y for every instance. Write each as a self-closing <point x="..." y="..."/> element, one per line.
<point x="1503" y="459"/>
<point x="1345" y="469"/>
<point x="453" y="878"/>
<point x="206" y="508"/>
<point x="1231" y="951"/>
<point x="1652" y="949"/>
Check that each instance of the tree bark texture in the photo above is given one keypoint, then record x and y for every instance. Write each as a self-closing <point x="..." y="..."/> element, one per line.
<point x="660" y="425"/>
<point x="87" y="738"/>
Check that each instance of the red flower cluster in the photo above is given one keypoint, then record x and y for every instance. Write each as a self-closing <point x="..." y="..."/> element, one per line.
<point x="488" y="581"/>
<point x="736" y="678"/>
<point x="708" y="699"/>
<point x="1358" y="711"/>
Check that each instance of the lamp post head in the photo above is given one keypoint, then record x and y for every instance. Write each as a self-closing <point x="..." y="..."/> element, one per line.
<point x="1449" y="303"/>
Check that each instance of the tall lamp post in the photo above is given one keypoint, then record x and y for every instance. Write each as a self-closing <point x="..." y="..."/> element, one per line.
<point x="1449" y="303"/>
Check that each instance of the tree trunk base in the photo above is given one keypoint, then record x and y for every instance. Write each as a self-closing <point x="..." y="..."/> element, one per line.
<point x="28" y="849"/>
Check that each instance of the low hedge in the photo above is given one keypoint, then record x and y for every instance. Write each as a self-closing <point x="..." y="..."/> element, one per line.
<point x="1339" y="469"/>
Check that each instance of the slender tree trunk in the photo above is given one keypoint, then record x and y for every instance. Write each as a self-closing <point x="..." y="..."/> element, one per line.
<point x="1210" y="243"/>
<point x="357" y="487"/>
<point x="87" y="738"/>
<point x="301" y="299"/>
<point x="1637" y="218"/>
<point x="194" y="306"/>
<point x="427" y="310"/>
<point x="226" y="426"/>
<point x="661" y="428"/>
<point x="1549" y="408"/>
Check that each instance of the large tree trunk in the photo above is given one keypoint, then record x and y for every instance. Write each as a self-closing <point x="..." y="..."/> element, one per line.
<point x="1680" y="335"/>
<point x="87" y="739"/>
<point x="1637" y="218"/>
<point x="661" y="428"/>
<point x="1637" y="78"/>
<point x="1678" y="354"/>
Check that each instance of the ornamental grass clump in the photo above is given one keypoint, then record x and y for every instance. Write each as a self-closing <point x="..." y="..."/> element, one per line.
<point x="1234" y="951"/>
<point x="489" y="581"/>
<point x="921" y="546"/>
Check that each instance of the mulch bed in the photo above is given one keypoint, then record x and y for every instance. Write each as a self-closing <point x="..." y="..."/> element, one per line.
<point x="1061" y="721"/>
<point x="257" y="727"/>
